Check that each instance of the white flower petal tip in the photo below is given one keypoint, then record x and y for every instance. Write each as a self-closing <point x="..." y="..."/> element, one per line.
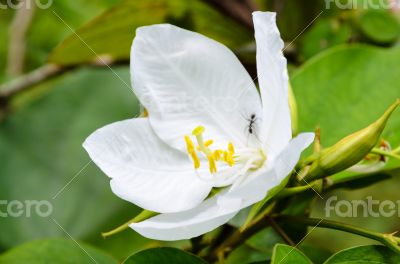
<point x="273" y="81"/>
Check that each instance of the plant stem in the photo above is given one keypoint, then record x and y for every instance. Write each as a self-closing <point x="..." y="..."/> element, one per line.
<point x="396" y="150"/>
<point x="140" y="217"/>
<point x="17" y="35"/>
<point x="117" y="230"/>
<point x="29" y="80"/>
<point x="238" y="237"/>
<point x="387" y="239"/>
<point x="280" y="232"/>
<point x="290" y="191"/>
<point x="391" y="154"/>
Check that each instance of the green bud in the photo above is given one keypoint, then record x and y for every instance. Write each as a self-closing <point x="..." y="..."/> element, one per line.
<point x="349" y="150"/>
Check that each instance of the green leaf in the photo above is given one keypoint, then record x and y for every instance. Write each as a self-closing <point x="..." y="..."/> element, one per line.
<point x="323" y="35"/>
<point x="284" y="254"/>
<point x="373" y="254"/>
<point x="380" y="26"/>
<point x="60" y="251"/>
<point x="163" y="255"/>
<point x="42" y="157"/>
<point x="110" y="35"/>
<point x="341" y="94"/>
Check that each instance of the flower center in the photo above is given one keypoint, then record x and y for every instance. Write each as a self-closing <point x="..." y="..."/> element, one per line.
<point x="248" y="158"/>
<point x="204" y="148"/>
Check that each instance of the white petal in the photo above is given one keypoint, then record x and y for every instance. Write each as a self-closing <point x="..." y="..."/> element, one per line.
<point x="257" y="185"/>
<point x="273" y="81"/>
<point x="144" y="170"/>
<point x="185" y="79"/>
<point x="224" y="206"/>
<point x="289" y="157"/>
<point x="185" y="225"/>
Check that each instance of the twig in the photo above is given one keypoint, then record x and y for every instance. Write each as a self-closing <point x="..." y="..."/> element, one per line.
<point x="280" y="232"/>
<point x="240" y="10"/>
<point x="239" y="236"/>
<point x="29" y="80"/>
<point x="17" y="32"/>
<point x="388" y="240"/>
<point x="197" y="245"/>
<point x="391" y="154"/>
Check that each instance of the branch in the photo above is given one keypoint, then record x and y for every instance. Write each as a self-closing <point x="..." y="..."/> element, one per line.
<point x="280" y="232"/>
<point x="388" y="240"/>
<point x="240" y="236"/>
<point x="17" y="44"/>
<point x="29" y="80"/>
<point x="239" y="10"/>
<point x="333" y="182"/>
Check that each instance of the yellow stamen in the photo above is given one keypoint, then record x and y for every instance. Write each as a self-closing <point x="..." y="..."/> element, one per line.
<point x="198" y="131"/>
<point x="228" y="158"/>
<point x="231" y="148"/>
<point x="207" y="144"/>
<point x="192" y="152"/>
<point x="218" y="154"/>
<point x="212" y="164"/>
<point x="212" y="156"/>
<point x="196" y="160"/>
<point x="189" y="144"/>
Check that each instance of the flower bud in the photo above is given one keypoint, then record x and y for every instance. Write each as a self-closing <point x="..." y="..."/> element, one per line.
<point x="372" y="162"/>
<point x="349" y="150"/>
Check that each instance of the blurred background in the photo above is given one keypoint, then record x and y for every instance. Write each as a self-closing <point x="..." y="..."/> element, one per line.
<point x="64" y="73"/>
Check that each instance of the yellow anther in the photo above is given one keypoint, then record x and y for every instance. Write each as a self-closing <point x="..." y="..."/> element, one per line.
<point x="189" y="144"/>
<point x="218" y="154"/>
<point x="192" y="152"/>
<point x="208" y="142"/>
<point x="228" y="158"/>
<point x="198" y="131"/>
<point x="212" y="156"/>
<point x="196" y="160"/>
<point x="231" y="148"/>
<point x="212" y="164"/>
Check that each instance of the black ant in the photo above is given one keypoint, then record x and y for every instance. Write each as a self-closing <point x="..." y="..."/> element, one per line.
<point x="252" y="126"/>
<point x="252" y="120"/>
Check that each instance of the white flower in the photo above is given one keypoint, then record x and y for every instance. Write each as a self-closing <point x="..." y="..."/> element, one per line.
<point x="188" y="82"/>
